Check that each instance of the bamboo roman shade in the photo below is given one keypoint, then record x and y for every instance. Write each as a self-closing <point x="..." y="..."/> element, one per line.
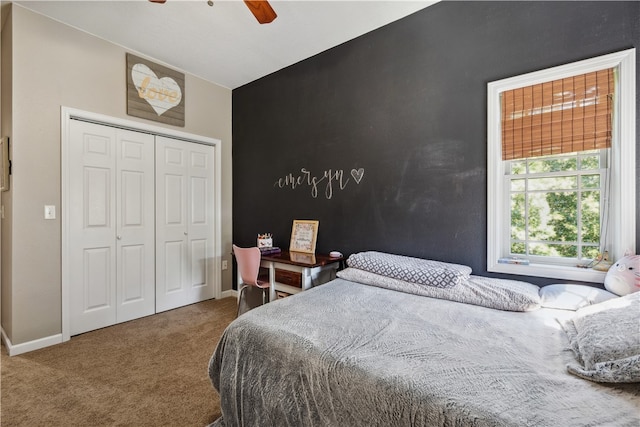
<point x="560" y="116"/>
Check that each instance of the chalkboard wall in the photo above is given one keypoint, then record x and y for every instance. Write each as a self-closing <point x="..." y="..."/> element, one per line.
<point x="383" y="138"/>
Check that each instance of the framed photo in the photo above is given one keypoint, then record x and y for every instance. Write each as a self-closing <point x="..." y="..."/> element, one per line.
<point x="4" y="164"/>
<point x="303" y="236"/>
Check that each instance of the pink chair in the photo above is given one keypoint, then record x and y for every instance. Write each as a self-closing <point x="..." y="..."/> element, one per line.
<point x="248" y="260"/>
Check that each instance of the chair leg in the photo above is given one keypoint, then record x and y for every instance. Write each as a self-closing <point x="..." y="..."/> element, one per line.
<point x="265" y="296"/>
<point x="240" y="292"/>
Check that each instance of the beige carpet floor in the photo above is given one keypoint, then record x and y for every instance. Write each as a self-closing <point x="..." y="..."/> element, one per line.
<point x="146" y="372"/>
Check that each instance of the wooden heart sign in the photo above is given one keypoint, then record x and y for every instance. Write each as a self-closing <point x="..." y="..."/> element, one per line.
<point x="154" y="92"/>
<point x="162" y="94"/>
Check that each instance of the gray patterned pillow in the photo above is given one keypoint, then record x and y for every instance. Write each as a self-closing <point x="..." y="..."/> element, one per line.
<point x="605" y="338"/>
<point x="413" y="270"/>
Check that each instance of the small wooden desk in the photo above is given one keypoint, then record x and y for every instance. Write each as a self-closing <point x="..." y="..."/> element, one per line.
<point x="294" y="272"/>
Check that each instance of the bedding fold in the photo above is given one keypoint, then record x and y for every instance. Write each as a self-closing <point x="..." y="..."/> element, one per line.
<point x="500" y="294"/>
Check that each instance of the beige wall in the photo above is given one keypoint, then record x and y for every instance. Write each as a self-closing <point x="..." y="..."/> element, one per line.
<point x="5" y="197"/>
<point x="55" y="65"/>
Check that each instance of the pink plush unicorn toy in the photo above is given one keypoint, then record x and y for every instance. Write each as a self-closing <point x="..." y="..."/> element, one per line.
<point x="624" y="276"/>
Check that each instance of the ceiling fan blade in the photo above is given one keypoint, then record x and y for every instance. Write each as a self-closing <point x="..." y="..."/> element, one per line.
<point x="157" y="1"/>
<point x="262" y="10"/>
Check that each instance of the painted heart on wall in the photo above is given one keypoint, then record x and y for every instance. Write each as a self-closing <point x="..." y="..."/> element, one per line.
<point x="161" y="94"/>
<point x="357" y="174"/>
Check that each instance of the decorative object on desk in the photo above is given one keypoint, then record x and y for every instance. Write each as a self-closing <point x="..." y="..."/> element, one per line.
<point x="154" y="92"/>
<point x="270" y="250"/>
<point x="265" y="240"/>
<point x="303" y="236"/>
<point x="335" y="254"/>
<point x="624" y="276"/>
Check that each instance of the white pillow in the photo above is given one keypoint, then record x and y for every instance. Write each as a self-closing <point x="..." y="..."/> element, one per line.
<point x="572" y="297"/>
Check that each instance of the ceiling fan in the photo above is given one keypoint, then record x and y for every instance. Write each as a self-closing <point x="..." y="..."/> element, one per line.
<point x="261" y="9"/>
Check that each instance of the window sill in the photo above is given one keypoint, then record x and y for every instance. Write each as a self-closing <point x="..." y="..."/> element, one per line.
<point x="551" y="271"/>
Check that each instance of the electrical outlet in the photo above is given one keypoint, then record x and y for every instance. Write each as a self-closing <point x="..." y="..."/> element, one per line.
<point x="224" y="264"/>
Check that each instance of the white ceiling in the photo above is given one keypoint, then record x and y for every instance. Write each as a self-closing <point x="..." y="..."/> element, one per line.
<point x="224" y="44"/>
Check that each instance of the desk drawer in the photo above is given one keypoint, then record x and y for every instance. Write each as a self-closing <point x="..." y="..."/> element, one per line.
<point x="290" y="278"/>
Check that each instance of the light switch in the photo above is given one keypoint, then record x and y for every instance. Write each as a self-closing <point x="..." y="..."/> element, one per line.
<point x="49" y="212"/>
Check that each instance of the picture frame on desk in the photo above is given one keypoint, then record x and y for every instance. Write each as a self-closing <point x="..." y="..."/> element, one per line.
<point x="303" y="236"/>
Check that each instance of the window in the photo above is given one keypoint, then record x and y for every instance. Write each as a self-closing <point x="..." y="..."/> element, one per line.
<point x="556" y="207"/>
<point x="561" y="173"/>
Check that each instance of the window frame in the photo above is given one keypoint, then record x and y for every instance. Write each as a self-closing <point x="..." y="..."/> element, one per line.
<point x="623" y="209"/>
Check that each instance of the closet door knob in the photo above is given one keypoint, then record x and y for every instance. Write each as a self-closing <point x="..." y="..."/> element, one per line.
<point x="119" y="237"/>
<point x="185" y="233"/>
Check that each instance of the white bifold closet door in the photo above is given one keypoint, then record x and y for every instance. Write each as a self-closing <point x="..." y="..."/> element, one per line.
<point x="111" y="226"/>
<point x="184" y="223"/>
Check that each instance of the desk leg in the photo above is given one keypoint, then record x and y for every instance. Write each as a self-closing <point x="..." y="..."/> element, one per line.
<point x="272" y="281"/>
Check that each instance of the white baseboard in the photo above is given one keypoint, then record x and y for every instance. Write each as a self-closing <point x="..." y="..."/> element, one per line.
<point x="229" y="294"/>
<point x="14" y="350"/>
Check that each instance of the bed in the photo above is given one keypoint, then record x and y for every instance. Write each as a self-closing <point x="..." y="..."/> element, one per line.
<point x="372" y="348"/>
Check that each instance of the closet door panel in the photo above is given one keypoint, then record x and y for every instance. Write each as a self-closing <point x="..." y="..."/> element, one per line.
<point x="201" y="230"/>
<point x="171" y="224"/>
<point x="92" y="251"/>
<point x="173" y="267"/>
<point x="175" y="202"/>
<point x="199" y="268"/>
<point x="135" y="238"/>
<point x="132" y="276"/>
<point x="97" y="278"/>
<point x="184" y="223"/>
<point x="97" y="190"/>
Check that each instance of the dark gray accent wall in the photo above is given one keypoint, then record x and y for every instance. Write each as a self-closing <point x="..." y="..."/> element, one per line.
<point x="383" y="138"/>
